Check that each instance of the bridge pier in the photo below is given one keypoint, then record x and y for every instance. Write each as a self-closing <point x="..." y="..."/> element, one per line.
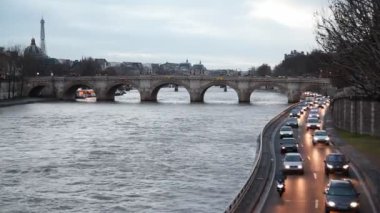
<point x="244" y="97"/>
<point x="294" y="96"/>
<point x="147" y="96"/>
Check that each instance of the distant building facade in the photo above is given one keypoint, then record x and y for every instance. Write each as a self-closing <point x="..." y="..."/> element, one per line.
<point x="293" y="53"/>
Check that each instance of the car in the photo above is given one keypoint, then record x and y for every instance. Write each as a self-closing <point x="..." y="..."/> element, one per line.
<point x="292" y="122"/>
<point x="321" y="136"/>
<point x="288" y="145"/>
<point x="300" y="110"/>
<point x="314" y="110"/>
<point x="293" y="162"/>
<point x="295" y="113"/>
<point x="286" y="131"/>
<point x="321" y="104"/>
<point x="304" y="106"/>
<point x="340" y="195"/>
<point x="337" y="163"/>
<point x="313" y="115"/>
<point x="313" y="123"/>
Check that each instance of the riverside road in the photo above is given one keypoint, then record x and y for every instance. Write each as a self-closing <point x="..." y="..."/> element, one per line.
<point x="304" y="193"/>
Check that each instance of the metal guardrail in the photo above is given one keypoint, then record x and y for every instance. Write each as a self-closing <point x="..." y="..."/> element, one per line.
<point x="242" y="193"/>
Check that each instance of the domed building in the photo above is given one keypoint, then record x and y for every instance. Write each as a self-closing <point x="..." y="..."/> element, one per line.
<point x="34" y="51"/>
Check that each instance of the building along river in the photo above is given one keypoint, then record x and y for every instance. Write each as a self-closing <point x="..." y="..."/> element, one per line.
<point x="127" y="156"/>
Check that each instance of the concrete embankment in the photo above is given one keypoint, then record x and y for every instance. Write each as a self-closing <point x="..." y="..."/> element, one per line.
<point x="19" y="101"/>
<point x="250" y="195"/>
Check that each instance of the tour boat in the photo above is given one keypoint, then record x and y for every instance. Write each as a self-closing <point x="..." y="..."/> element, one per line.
<point x="85" y="95"/>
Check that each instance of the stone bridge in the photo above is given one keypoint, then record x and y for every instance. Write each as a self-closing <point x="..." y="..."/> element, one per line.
<point x="64" y="88"/>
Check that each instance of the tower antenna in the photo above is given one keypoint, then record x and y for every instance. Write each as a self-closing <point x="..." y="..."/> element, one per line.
<point x="42" y="36"/>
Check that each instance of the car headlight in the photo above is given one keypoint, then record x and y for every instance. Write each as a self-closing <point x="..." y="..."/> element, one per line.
<point x="315" y="138"/>
<point x="329" y="166"/>
<point x="308" y="125"/>
<point x="287" y="166"/>
<point x="331" y="203"/>
<point x="318" y="125"/>
<point x="327" y="138"/>
<point x="299" y="166"/>
<point x="354" y="204"/>
<point x="282" y="147"/>
<point x="346" y="166"/>
<point x="280" y="186"/>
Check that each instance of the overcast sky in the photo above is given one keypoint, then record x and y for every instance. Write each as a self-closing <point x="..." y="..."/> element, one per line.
<point x="235" y="34"/>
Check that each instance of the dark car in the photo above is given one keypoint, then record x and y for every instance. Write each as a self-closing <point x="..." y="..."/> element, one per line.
<point x="295" y="113"/>
<point x="292" y="122"/>
<point x="336" y="163"/>
<point x="289" y="145"/>
<point x="341" y="196"/>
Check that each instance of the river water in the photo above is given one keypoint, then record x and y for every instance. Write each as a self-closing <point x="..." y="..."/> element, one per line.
<point x="170" y="156"/>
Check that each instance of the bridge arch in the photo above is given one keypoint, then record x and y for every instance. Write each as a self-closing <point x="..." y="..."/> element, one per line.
<point x="111" y="89"/>
<point x="204" y="88"/>
<point x="152" y="95"/>
<point x="70" y="91"/>
<point x="36" y="91"/>
<point x="269" y="86"/>
<point x="314" y="88"/>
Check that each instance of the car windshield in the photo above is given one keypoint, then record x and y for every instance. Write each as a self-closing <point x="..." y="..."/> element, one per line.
<point x="312" y="120"/>
<point x="286" y="128"/>
<point x="288" y="141"/>
<point x="341" y="191"/>
<point x="337" y="158"/>
<point x="317" y="133"/>
<point x="293" y="158"/>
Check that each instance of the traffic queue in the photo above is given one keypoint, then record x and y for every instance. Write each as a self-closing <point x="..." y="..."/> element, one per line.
<point x="340" y="193"/>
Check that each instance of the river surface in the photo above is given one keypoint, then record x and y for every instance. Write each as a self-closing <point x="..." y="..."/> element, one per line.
<point x="127" y="156"/>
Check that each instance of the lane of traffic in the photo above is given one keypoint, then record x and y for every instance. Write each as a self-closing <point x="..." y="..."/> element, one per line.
<point x="304" y="193"/>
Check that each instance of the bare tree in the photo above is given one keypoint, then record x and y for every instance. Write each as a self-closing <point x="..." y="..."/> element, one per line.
<point x="351" y="34"/>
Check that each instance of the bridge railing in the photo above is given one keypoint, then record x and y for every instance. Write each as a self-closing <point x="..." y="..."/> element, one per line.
<point x="180" y="77"/>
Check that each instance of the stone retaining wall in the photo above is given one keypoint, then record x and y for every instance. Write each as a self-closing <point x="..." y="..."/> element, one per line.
<point x="357" y="116"/>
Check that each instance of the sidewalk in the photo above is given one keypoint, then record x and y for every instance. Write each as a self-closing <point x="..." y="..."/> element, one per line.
<point x="368" y="170"/>
<point x="18" y="101"/>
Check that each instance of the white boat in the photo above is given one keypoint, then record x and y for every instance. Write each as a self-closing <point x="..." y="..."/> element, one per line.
<point x="85" y="95"/>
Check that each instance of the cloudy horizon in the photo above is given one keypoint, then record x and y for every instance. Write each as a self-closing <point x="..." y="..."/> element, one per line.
<point x="225" y="34"/>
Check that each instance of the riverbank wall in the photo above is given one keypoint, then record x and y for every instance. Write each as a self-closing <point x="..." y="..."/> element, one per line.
<point x="356" y="115"/>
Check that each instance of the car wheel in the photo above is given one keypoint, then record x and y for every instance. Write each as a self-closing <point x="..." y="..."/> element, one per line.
<point x="327" y="210"/>
<point x="347" y="173"/>
<point x="326" y="172"/>
<point x="327" y="143"/>
<point x="313" y="143"/>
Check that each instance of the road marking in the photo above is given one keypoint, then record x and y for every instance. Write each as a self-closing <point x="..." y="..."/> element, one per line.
<point x="315" y="175"/>
<point x="316" y="204"/>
